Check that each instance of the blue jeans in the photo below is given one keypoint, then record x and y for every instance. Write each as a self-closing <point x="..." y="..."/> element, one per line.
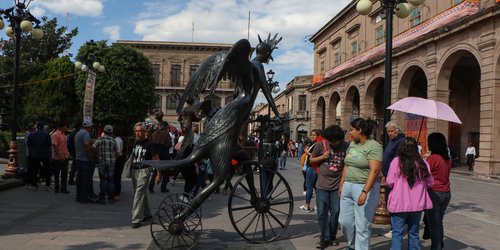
<point x="84" y="171"/>
<point x="282" y="162"/>
<point x="266" y="185"/>
<point x="398" y="222"/>
<point x="107" y="179"/>
<point x="328" y="201"/>
<point x="356" y="221"/>
<point x="435" y="217"/>
<point x="311" y="178"/>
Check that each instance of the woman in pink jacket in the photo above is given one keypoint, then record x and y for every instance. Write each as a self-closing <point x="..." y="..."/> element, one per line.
<point x="409" y="177"/>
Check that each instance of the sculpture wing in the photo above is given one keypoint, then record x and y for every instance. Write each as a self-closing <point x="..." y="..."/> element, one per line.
<point x="203" y="77"/>
<point x="230" y="64"/>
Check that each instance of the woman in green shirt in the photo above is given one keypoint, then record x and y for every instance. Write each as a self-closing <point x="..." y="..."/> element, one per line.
<point x="359" y="187"/>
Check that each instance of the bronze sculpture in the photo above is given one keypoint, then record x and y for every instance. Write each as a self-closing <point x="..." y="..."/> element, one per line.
<point x="218" y="141"/>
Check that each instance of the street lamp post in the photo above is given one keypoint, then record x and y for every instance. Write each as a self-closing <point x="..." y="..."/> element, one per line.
<point x="273" y="87"/>
<point x="88" y="63"/>
<point x="20" y="20"/>
<point x="400" y="8"/>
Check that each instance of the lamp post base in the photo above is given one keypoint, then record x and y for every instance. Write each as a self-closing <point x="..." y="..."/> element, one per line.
<point x="382" y="216"/>
<point x="10" y="171"/>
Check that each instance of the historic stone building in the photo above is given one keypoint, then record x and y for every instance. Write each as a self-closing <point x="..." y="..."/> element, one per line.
<point x="446" y="50"/>
<point x="294" y="102"/>
<point x="173" y="64"/>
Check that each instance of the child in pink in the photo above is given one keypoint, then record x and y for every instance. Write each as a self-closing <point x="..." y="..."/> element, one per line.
<point x="409" y="177"/>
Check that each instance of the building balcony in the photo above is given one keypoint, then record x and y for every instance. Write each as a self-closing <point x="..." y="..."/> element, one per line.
<point x="301" y="115"/>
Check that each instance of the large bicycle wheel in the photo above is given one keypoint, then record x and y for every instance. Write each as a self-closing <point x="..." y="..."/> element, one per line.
<point x="266" y="216"/>
<point x="170" y="231"/>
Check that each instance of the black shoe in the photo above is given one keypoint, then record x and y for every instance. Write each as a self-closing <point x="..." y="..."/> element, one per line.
<point x="147" y="218"/>
<point x="57" y="190"/>
<point x="71" y="182"/>
<point x="101" y="201"/>
<point x="323" y="244"/>
<point x="136" y="225"/>
<point x="92" y="198"/>
<point x="64" y="192"/>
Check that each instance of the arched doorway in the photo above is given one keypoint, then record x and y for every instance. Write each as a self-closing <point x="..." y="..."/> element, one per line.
<point x="301" y="133"/>
<point x="374" y="105"/>
<point x="414" y="83"/>
<point x="320" y="118"/>
<point x="462" y="72"/>
<point x="333" y="115"/>
<point x="351" y="106"/>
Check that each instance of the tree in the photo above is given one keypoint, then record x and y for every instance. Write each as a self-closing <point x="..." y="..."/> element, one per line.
<point x="54" y="100"/>
<point x="125" y="92"/>
<point x="34" y="54"/>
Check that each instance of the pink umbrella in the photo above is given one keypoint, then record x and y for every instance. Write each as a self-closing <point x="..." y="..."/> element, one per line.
<point x="425" y="107"/>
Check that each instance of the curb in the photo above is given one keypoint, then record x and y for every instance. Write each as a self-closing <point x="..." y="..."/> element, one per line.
<point x="488" y="179"/>
<point x="10" y="183"/>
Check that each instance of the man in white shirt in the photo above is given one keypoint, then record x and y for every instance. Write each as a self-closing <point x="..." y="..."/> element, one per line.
<point x="470" y="153"/>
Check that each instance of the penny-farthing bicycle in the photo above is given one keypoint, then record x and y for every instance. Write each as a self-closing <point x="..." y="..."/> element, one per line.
<point x="260" y="205"/>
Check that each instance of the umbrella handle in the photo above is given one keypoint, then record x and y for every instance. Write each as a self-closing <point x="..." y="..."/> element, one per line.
<point x="420" y="130"/>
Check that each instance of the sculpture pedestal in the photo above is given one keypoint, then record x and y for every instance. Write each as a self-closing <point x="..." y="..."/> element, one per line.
<point x="382" y="216"/>
<point x="12" y="165"/>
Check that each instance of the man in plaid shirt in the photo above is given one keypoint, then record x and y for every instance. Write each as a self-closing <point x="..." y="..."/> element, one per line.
<point x="106" y="149"/>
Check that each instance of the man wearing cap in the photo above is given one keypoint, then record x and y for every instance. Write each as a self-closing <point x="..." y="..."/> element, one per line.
<point x="106" y="150"/>
<point x="84" y="164"/>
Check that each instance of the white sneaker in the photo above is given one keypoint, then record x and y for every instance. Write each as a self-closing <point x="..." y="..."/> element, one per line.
<point x="388" y="234"/>
<point x="305" y="209"/>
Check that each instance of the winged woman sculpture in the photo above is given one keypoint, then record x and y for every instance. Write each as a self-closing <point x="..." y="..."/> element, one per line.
<point x="218" y="142"/>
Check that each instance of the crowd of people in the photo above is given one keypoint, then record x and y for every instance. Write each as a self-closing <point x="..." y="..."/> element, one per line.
<point x="345" y="176"/>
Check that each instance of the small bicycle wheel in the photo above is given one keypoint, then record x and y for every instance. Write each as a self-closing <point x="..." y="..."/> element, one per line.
<point x="266" y="216"/>
<point x="172" y="231"/>
<point x="176" y="197"/>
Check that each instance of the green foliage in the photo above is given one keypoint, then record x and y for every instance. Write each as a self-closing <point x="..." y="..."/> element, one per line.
<point x="33" y="55"/>
<point x="53" y="101"/>
<point x="125" y="92"/>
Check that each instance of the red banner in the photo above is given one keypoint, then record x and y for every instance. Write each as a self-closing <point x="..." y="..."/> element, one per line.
<point x="413" y="125"/>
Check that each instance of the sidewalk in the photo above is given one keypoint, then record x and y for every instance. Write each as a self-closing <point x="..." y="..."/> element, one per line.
<point x="7" y="183"/>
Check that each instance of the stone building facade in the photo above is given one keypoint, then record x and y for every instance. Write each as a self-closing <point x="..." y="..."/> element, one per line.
<point x="173" y="64"/>
<point x="446" y="50"/>
<point x="294" y="103"/>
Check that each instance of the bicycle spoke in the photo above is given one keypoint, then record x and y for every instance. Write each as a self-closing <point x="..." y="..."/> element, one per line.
<point x="276" y="219"/>
<point x="239" y="197"/>
<point x="278" y="195"/>
<point x="245" y="216"/>
<point x="274" y="189"/>
<point x="280" y="203"/>
<point x="270" y="225"/>
<point x="246" y="228"/>
<point x="242" y="208"/>
<point x="281" y="212"/>
<point x="263" y="227"/>
<point x="256" y="227"/>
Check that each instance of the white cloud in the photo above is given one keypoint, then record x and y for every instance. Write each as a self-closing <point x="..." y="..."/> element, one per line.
<point x="227" y="21"/>
<point x="112" y="31"/>
<point x="77" y="7"/>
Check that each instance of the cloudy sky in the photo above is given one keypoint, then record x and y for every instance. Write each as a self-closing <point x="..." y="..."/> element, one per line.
<point x="221" y="21"/>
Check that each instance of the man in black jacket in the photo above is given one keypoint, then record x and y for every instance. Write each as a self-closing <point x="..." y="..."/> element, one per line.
<point x="39" y="146"/>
